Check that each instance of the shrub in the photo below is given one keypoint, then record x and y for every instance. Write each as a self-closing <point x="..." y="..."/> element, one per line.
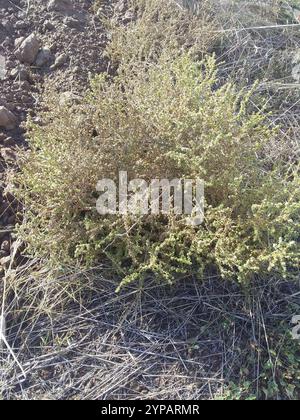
<point x="154" y="27"/>
<point x="172" y="120"/>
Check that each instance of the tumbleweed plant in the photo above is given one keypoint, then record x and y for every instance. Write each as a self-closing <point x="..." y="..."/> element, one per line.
<point x="173" y="120"/>
<point x="152" y="27"/>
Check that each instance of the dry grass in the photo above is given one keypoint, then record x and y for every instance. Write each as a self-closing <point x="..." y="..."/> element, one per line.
<point x="259" y="42"/>
<point x="76" y="339"/>
<point x="152" y="27"/>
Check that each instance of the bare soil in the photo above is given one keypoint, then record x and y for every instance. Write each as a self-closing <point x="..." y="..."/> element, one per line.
<point x="65" y="34"/>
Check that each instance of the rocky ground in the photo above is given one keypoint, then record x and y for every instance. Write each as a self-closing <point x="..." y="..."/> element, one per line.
<point x="41" y="42"/>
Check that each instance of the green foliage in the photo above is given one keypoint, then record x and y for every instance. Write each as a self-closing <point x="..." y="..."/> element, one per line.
<point x="275" y="364"/>
<point x="172" y="120"/>
<point x="234" y="392"/>
<point x="279" y="378"/>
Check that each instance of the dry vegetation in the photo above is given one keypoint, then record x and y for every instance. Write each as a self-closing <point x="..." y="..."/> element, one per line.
<point x="155" y="125"/>
<point x="180" y="328"/>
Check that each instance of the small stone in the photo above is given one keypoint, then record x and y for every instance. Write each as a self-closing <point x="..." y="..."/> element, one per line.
<point x="28" y="49"/>
<point x="59" y="61"/>
<point x="43" y="57"/>
<point x="7" y="119"/>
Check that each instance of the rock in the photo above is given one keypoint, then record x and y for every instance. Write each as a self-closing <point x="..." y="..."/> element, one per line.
<point x="59" y="61"/>
<point x="28" y="49"/>
<point x="60" y="5"/>
<point x="7" y="119"/>
<point x="43" y="57"/>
